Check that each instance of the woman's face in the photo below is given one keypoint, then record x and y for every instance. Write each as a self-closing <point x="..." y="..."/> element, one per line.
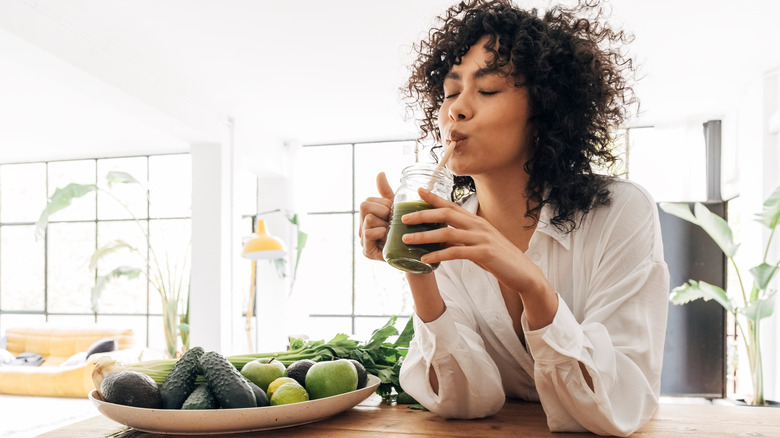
<point x="486" y="115"/>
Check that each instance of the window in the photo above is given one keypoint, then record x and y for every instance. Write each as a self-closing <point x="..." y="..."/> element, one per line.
<point x="338" y="288"/>
<point x="48" y="279"/>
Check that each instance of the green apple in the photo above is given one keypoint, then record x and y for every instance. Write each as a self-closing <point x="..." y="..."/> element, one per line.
<point x="262" y="372"/>
<point x="325" y="379"/>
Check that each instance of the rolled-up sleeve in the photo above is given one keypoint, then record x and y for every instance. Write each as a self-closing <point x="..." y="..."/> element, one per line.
<point x="619" y="341"/>
<point x="469" y="383"/>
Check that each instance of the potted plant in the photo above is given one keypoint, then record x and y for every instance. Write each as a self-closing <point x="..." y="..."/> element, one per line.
<point x="170" y="279"/>
<point x="747" y="306"/>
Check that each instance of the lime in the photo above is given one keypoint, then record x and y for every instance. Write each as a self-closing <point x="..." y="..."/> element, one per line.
<point x="277" y="383"/>
<point x="290" y="392"/>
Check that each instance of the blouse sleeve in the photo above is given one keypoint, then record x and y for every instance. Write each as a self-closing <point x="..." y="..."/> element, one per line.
<point x="621" y="337"/>
<point x="451" y="347"/>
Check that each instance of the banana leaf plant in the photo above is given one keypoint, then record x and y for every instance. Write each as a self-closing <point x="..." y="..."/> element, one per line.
<point x="747" y="306"/>
<point x="170" y="280"/>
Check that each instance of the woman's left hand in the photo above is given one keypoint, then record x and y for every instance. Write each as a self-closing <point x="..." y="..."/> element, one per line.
<point x="471" y="237"/>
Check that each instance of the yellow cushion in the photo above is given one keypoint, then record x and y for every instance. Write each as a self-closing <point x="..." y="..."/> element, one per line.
<point x="56" y="345"/>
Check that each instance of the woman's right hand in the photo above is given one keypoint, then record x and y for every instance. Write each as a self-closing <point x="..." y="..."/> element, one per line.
<point x="375" y="219"/>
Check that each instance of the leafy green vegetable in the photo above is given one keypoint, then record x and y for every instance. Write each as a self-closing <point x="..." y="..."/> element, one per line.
<point x="379" y="356"/>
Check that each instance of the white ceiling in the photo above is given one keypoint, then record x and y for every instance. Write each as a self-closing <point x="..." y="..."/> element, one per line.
<point x="116" y="77"/>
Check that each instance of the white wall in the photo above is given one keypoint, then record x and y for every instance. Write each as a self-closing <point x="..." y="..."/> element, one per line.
<point x="771" y="144"/>
<point x="755" y="149"/>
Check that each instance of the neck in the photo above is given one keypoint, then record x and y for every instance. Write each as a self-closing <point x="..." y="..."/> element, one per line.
<point x="503" y="203"/>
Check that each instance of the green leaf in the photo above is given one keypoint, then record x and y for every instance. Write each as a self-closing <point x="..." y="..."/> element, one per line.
<point x="118" y="177"/>
<point x="381" y="334"/>
<point x="760" y="308"/>
<point x="406" y="335"/>
<point x="695" y="290"/>
<point x="281" y="266"/>
<point x="771" y="213"/>
<point x="102" y="280"/>
<point x="680" y="210"/>
<point x="61" y="199"/>
<point x="184" y="328"/>
<point x="762" y="275"/>
<point x="302" y="238"/>
<point x="717" y="228"/>
<point x="107" y="249"/>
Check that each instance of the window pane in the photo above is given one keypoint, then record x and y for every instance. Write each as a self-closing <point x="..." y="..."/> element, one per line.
<point x="16" y="321"/>
<point x="62" y="173"/>
<point x="137" y="323"/>
<point x="372" y="158"/>
<point x="132" y="195"/>
<point x="21" y="268"/>
<point x="69" y="279"/>
<point x="325" y="274"/>
<point x="379" y="288"/>
<point x="170" y="183"/>
<point x="170" y="257"/>
<point x="324" y="178"/>
<point x="122" y="295"/>
<point x="72" y="321"/>
<point x="325" y="328"/>
<point x="22" y="192"/>
<point x="684" y="177"/>
<point x="157" y="333"/>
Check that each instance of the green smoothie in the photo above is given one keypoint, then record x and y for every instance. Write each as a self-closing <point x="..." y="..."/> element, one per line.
<point x="407" y="257"/>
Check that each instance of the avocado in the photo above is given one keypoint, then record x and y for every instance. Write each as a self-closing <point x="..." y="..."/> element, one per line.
<point x="201" y="398"/>
<point x="298" y="369"/>
<point x="260" y="396"/>
<point x="362" y="374"/>
<point x="180" y="383"/>
<point x="131" y="388"/>
<point x="227" y="384"/>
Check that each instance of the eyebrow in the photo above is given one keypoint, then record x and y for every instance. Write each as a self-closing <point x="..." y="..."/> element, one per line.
<point x="480" y="73"/>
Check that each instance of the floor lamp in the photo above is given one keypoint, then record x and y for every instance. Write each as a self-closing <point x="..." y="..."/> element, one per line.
<point x="262" y="246"/>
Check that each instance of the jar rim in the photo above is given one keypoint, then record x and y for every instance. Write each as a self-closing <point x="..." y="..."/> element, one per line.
<point x="427" y="169"/>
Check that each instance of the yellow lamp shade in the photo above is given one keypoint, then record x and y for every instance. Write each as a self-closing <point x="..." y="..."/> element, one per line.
<point x="263" y="246"/>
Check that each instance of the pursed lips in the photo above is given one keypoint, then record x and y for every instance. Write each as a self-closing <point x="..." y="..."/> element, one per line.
<point x="457" y="136"/>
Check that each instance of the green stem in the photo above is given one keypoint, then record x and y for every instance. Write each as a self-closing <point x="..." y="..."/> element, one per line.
<point x="739" y="277"/>
<point x="766" y="252"/>
<point x="756" y="368"/>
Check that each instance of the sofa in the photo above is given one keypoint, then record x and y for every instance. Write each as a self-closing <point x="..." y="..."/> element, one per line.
<point x="54" y="377"/>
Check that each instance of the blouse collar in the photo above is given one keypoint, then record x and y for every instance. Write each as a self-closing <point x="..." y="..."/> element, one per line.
<point x="471" y="203"/>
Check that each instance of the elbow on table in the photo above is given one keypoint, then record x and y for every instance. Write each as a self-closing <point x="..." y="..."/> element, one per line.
<point x="467" y="406"/>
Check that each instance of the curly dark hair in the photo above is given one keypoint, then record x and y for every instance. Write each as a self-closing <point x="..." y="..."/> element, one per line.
<point x="578" y="81"/>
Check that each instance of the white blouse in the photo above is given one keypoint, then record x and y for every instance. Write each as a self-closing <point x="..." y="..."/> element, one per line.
<point x="613" y="287"/>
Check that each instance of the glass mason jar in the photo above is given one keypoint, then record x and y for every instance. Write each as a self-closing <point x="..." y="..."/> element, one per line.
<point x="398" y="254"/>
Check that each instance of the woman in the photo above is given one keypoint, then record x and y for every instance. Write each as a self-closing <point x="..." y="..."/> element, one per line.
<point x="552" y="284"/>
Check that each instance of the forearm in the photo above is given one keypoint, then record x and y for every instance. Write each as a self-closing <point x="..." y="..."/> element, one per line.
<point x="428" y="303"/>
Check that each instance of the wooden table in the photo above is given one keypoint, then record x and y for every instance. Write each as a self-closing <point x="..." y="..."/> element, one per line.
<point x="516" y="419"/>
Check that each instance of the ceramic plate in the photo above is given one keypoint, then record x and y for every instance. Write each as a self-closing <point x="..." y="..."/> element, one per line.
<point x="232" y="420"/>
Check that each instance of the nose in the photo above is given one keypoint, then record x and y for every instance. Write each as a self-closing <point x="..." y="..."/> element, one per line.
<point x="460" y="109"/>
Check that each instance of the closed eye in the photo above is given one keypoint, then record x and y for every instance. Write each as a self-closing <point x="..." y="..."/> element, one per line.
<point x="449" y="96"/>
<point x="488" y="93"/>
